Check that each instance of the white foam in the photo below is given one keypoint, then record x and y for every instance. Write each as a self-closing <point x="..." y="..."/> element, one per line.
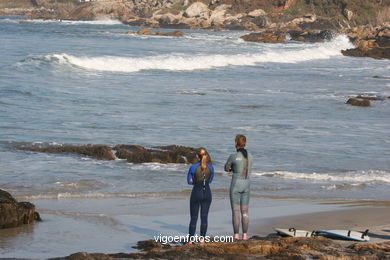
<point x="188" y="62"/>
<point x="355" y="177"/>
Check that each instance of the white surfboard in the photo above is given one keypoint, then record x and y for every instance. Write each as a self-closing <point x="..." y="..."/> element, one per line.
<point x="292" y="232"/>
<point x="344" y="234"/>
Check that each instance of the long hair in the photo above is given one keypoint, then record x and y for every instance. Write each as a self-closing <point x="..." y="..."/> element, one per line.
<point x="204" y="158"/>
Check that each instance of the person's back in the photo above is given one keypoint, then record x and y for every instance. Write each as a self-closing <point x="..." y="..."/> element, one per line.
<point x="240" y="163"/>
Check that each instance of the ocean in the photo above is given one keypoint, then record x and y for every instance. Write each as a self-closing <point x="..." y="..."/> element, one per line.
<point x="89" y="82"/>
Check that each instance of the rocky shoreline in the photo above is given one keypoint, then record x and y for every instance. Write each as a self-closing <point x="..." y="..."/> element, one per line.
<point x="271" y="21"/>
<point x="255" y="248"/>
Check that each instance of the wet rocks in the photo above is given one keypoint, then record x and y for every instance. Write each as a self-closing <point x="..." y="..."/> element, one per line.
<point x="13" y="213"/>
<point x="131" y="153"/>
<point x="148" y="31"/>
<point x="370" y="42"/>
<point x="265" y="37"/>
<point x="159" y="154"/>
<point x="100" y="152"/>
<point x="311" y="36"/>
<point x="364" y="100"/>
<point x="358" y="102"/>
<point x="259" y="248"/>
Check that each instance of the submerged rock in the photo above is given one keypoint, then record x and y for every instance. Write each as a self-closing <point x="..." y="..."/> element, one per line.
<point x="13" y="213"/>
<point x="131" y="153"/>
<point x="100" y="152"/>
<point x="359" y="102"/>
<point x="159" y="154"/>
<point x="265" y="37"/>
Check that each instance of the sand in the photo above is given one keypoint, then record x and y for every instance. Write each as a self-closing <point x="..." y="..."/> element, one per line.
<point x="376" y="219"/>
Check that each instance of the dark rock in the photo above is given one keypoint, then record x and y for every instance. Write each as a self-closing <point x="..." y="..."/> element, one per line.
<point x="311" y="36"/>
<point x="377" y="53"/>
<point x="359" y="102"/>
<point x="160" y="154"/>
<point x="265" y="37"/>
<point x="100" y="152"/>
<point x="13" y="213"/>
<point x="148" y="245"/>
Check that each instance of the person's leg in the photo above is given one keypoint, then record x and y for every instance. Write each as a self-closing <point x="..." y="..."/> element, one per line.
<point x="244" y="211"/>
<point x="235" y="205"/>
<point x="204" y="211"/>
<point x="194" y="211"/>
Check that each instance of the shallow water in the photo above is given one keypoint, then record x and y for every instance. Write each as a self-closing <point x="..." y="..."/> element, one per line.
<point x="90" y="82"/>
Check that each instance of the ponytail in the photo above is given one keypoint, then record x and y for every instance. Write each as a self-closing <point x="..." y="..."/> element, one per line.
<point x="203" y="156"/>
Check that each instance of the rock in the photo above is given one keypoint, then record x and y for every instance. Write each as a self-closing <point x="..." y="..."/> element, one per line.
<point x="197" y="10"/>
<point x="377" y="53"/>
<point x="100" y="152"/>
<point x="131" y="32"/>
<point x="174" y="34"/>
<point x="13" y="213"/>
<point x="348" y="14"/>
<point x="311" y="36"/>
<point x="265" y="37"/>
<point x="145" y="31"/>
<point x="374" y="98"/>
<point x="359" y="102"/>
<point x="256" y="13"/>
<point x="217" y="17"/>
<point x="160" y="154"/>
<point x="255" y="248"/>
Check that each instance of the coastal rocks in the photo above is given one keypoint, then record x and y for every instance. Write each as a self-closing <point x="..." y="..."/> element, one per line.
<point x="100" y="152"/>
<point x="358" y="102"/>
<point x="13" y="213"/>
<point x="311" y="36"/>
<point x="255" y="248"/>
<point x="148" y="31"/>
<point x="159" y="154"/>
<point x="197" y="10"/>
<point x="265" y="37"/>
<point x="364" y="100"/>
<point x="370" y="42"/>
<point x="131" y="153"/>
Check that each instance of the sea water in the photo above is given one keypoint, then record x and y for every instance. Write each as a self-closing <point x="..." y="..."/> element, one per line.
<point x="76" y="83"/>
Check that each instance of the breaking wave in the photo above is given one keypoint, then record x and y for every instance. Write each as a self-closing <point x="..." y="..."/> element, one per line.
<point x="354" y="177"/>
<point x="188" y="62"/>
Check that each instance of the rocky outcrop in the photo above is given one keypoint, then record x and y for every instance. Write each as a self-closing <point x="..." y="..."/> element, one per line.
<point x="256" y="248"/>
<point x="159" y="154"/>
<point x="100" y="152"/>
<point x="370" y="42"/>
<point x="358" y="102"/>
<point x="265" y="37"/>
<point x="131" y="153"/>
<point x="311" y="36"/>
<point x="13" y="213"/>
<point x="364" y="100"/>
<point x="148" y="31"/>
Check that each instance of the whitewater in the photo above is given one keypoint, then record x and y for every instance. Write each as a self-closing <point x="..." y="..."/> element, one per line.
<point x="89" y="82"/>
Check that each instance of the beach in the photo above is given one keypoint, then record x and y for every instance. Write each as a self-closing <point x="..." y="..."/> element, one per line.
<point x="90" y="83"/>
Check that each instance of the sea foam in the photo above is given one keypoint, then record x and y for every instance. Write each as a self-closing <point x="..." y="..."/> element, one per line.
<point x="189" y="62"/>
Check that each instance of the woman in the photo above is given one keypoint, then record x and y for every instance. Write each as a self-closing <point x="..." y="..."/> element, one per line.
<point x="200" y="175"/>
<point x="240" y="163"/>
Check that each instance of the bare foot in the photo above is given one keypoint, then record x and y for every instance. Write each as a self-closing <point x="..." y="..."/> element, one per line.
<point x="236" y="236"/>
<point x="244" y="236"/>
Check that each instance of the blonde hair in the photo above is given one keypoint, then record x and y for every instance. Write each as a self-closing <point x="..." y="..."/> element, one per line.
<point x="203" y="156"/>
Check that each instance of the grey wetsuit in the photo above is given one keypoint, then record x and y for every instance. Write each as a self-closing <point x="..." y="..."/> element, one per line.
<point x="239" y="188"/>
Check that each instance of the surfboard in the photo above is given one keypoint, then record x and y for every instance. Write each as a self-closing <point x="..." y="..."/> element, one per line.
<point x="344" y="234"/>
<point x="292" y="232"/>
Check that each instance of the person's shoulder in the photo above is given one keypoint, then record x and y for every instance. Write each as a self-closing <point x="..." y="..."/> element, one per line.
<point x="194" y="166"/>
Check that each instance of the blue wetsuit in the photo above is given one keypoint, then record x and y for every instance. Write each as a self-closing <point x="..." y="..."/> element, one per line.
<point x="200" y="196"/>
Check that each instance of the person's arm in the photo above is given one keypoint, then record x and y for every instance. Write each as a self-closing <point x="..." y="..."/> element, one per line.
<point x="190" y="176"/>
<point x="212" y="173"/>
<point x="228" y="164"/>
